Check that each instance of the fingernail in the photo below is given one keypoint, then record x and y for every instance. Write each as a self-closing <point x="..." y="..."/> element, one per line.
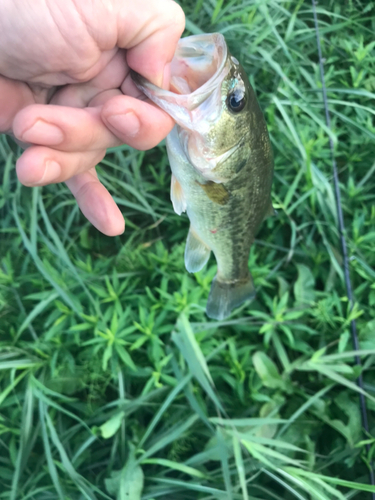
<point x="127" y="124"/>
<point x="43" y="133"/>
<point x="52" y="172"/>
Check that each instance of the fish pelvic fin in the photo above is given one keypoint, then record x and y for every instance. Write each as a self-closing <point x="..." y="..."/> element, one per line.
<point x="197" y="253"/>
<point x="177" y="196"/>
<point x="225" y="296"/>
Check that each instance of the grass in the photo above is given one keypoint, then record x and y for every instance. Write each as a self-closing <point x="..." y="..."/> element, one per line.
<point x="113" y="382"/>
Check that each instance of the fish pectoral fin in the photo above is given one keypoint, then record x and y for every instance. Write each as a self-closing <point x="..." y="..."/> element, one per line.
<point x="177" y="196"/>
<point x="197" y="253"/>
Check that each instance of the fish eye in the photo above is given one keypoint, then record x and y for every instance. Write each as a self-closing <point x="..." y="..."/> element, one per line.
<point x="236" y="103"/>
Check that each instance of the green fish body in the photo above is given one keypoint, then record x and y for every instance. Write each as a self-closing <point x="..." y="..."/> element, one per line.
<point x="221" y="161"/>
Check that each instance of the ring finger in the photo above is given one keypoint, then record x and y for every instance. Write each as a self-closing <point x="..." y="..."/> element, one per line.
<point x="39" y="165"/>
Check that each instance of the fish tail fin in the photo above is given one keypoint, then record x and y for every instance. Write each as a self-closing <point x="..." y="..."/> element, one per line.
<point x="225" y="296"/>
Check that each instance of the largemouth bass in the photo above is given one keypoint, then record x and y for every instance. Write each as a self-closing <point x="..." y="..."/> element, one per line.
<point x="221" y="161"/>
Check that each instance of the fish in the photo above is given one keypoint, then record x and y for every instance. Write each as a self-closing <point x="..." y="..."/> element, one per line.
<point x="221" y="160"/>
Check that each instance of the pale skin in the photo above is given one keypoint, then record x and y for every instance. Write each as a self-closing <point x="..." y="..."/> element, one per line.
<point x="66" y="92"/>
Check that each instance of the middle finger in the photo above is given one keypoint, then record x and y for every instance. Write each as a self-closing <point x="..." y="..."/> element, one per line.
<point x="121" y="119"/>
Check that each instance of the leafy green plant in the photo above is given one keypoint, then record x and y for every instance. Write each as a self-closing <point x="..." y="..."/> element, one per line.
<point x="113" y="382"/>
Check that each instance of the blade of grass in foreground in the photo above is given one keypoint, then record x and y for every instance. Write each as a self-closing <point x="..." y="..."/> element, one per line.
<point x="48" y="453"/>
<point x="173" y="434"/>
<point x="25" y="443"/>
<point x="190" y="471"/>
<point x="216" y="493"/>
<point x="171" y="397"/>
<point x="321" y="480"/>
<point x="65" y="296"/>
<point x="240" y="466"/>
<point x="186" y="342"/>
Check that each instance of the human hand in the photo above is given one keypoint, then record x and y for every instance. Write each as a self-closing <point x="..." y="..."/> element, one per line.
<point x="66" y="91"/>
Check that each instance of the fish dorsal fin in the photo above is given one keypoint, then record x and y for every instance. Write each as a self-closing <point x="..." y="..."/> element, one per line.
<point x="196" y="253"/>
<point x="177" y="196"/>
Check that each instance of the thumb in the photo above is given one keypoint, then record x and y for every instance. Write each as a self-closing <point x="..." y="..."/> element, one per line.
<point x="150" y="30"/>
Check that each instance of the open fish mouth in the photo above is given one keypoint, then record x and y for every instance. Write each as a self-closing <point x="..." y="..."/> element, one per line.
<point x="198" y="64"/>
<point x="197" y="71"/>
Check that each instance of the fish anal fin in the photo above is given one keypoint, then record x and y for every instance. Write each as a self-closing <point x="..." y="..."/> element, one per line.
<point x="196" y="253"/>
<point x="225" y="296"/>
<point x="177" y="196"/>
